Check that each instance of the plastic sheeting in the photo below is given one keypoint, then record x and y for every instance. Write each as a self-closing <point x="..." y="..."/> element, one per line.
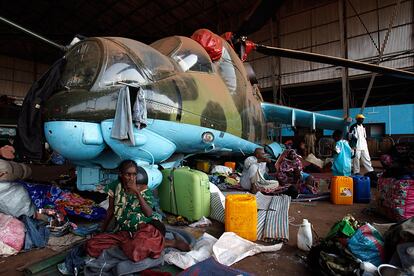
<point x="15" y="200"/>
<point x="211" y="42"/>
<point x="201" y="251"/>
<point x="230" y="248"/>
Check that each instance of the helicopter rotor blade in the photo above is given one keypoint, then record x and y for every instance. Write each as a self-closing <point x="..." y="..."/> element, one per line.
<point x="262" y="12"/>
<point x="289" y="53"/>
<point x="61" y="47"/>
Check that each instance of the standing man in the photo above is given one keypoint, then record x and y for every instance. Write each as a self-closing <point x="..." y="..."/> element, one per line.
<point x="358" y="142"/>
<point x="310" y="141"/>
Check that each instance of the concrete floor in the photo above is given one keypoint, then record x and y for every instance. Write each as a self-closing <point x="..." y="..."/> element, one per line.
<point x="284" y="262"/>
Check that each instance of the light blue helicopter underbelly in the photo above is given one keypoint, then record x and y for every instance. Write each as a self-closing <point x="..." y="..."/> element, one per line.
<point x="91" y="147"/>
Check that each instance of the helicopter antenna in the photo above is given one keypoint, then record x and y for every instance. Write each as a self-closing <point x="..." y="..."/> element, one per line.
<point x="61" y="47"/>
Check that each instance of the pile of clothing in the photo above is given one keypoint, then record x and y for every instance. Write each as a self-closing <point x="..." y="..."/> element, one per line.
<point x="30" y="213"/>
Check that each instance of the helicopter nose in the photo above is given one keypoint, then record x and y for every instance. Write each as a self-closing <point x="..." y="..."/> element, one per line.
<point x="75" y="140"/>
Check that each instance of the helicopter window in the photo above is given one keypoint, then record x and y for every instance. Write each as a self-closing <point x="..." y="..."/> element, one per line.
<point x="188" y="54"/>
<point x="158" y="64"/>
<point x="82" y="65"/>
<point x="229" y="69"/>
<point x="119" y="68"/>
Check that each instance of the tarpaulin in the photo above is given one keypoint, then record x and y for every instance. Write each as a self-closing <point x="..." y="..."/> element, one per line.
<point x="211" y="42"/>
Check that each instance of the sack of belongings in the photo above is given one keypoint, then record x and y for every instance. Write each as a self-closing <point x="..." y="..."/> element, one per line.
<point x="11" y="235"/>
<point x="347" y="245"/>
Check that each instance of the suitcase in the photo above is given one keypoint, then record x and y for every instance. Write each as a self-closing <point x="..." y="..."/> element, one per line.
<point x="185" y="192"/>
<point x="362" y="189"/>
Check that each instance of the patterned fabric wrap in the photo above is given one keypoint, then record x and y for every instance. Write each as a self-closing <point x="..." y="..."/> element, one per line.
<point x="47" y="196"/>
<point x="273" y="217"/>
<point x="128" y="212"/>
<point x="396" y="198"/>
<point x="287" y="168"/>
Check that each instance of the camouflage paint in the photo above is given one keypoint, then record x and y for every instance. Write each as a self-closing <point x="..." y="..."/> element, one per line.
<point x="196" y="98"/>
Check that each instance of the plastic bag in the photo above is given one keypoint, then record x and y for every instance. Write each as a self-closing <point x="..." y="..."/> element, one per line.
<point x="11" y="235"/>
<point x="221" y="170"/>
<point x="203" y="222"/>
<point x="342" y="161"/>
<point x="231" y="248"/>
<point x="367" y="244"/>
<point x="15" y="200"/>
<point x="201" y="251"/>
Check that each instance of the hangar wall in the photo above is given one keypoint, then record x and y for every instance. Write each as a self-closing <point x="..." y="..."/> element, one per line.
<point x="314" y="26"/>
<point x="17" y="75"/>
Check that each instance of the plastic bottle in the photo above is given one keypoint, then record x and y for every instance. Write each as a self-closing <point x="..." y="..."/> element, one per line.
<point x="305" y="236"/>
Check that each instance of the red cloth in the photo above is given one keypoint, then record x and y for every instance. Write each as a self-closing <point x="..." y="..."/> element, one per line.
<point x="211" y="42"/>
<point x="149" y="272"/>
<point x="146" y="242"/>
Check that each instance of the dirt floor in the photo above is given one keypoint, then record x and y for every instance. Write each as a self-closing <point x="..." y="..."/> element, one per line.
<point x="287" y="261"/>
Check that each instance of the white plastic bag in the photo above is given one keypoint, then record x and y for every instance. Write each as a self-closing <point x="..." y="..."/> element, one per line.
<point x="201" y="251"/>
<point x="221" y="170"/>
<point x="15" y="200"/>
<point x="203" y="222"/>
<point x="231" y="248"/>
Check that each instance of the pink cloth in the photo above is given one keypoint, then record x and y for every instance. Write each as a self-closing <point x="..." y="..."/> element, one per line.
<point x="12" y="232"/>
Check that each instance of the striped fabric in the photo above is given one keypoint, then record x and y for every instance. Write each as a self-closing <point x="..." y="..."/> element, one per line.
<point x="261" y="220"/>
<point x="273" y="217"/>
<point x="216" y="207"/>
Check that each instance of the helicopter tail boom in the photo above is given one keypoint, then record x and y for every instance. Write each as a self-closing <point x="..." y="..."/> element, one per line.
<point x="302" y="118"/>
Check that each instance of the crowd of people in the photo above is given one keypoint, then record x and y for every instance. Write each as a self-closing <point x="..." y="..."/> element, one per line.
<point x="349" y="152"/>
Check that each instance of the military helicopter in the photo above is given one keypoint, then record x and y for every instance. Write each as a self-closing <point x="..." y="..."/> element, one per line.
<point x="120" y="99"/>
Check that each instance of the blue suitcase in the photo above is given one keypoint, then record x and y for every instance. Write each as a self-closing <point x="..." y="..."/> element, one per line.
<point x="362" y="189"/>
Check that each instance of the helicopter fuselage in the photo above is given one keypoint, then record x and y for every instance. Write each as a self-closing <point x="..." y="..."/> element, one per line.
<point x="186" y="97"/>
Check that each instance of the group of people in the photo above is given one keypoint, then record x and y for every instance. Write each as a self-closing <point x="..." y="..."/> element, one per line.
<point x="355" y="148"/>
<point x="290" y="178"/>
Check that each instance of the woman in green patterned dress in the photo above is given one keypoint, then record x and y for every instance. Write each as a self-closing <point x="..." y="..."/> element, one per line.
<point x="131" y="204"/>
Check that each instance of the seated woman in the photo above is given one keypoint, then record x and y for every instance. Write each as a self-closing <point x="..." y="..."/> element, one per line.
<point x="141" y="233"/>
<point x="290" y="173"/>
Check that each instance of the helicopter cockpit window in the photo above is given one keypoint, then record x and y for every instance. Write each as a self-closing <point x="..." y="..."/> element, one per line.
<point x="188" y="54"/>
<point x="82" y="65"/>
<point x="119" y="68"/>
<point x="229" y="68"/>
<point x="153" y="61"/>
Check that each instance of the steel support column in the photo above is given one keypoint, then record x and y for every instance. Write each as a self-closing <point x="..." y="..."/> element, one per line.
<point x="344" y="53"/>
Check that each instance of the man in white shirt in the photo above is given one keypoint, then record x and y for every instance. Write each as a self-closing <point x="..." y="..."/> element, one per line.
<point x="358" y="141"/>
<point x="253" y="164"/>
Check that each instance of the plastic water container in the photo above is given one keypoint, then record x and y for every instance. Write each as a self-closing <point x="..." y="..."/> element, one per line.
<point x="231" y="165"/>
<point x="241" y="215"/>
<point x="362" y="189"/>
<point x="203" y="165"/>
<point x="342" y="190"/>
<point x="305" y="236"/>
